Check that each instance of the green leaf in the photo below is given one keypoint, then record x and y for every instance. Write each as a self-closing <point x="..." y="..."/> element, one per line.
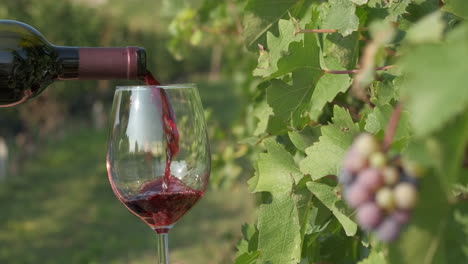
<point x="303" y="199"/>
<point x="382" y="93"/>
<point x="342" y="17"/>
<point x="277" y="47"/>
<point x="359" y="2"/>
<point x="456" y="239"/>
<point x="302" y="54"/>
<point x="326" y="194"/>
<point x="305" y="138"/>
<point x="325" y="156"/>
<point x="278" y="222"/>
<point x="434" y="88"/>
<point x="261" y="15"/>
<point x="326" y="90"/>
<point x="262" y="112"/>
<point x="250" y="241"/>
<point x="392" y="10"/>
<point x="378" y="119"/>
<point x="290" y="102"/>
<point x="248" y="258"/>
<point x="428" y="29"/>
<point x="276" y="170"/>
<point x="457" y="7"/>
<point x="448" y="150"/>
<point x="374" y="258"/>
<point x="345" y="50"/>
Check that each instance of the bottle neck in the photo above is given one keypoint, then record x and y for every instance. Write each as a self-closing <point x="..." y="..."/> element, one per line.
<point x="78" y="63"/>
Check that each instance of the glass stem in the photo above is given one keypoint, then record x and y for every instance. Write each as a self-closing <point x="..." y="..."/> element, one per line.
<point x="163" y="248"/>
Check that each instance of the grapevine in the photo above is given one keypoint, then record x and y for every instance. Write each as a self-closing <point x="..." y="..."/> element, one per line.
<point x="370" y="91"/>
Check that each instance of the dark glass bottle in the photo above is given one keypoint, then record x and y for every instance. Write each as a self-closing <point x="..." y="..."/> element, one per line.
<point x="28" y="63"/>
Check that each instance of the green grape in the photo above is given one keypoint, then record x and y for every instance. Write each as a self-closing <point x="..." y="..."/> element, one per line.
<point x="377" y="160"/>
<point x="390" y="175"/>
<point x="366" y="144"/>
<point x="405" y="195"/>
<point x="384" y="198"/>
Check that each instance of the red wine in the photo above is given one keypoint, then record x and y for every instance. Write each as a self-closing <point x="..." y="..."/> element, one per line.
<point x="169" y="124"/>
<point x="162" y="207"/>
<point x="29" y="63"/>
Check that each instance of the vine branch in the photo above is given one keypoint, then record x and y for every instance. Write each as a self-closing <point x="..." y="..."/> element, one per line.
<point x="391" y="127"/>
<point x="358" y="70"/>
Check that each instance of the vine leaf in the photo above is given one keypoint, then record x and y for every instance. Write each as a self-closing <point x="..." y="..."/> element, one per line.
<point x="429" y="29"/>
<point x="457" y="7"/>
<point x="342" y="17"/>
<point x="290" y="102"/>
<point x="359" y="2"/>
<point x="377" y="120"/>
<point x="374" y="258"/>
<point x="343" y="49"/>
<point x="327" y="196"/>
<point x="326" y="90"/>
<point x="393" y="10"/>
<point x="262" y="15"/>
<point x="247" y="258"/>
<point x="324" y="157"/>
<point x="434" y="87"/>
<point x="278" y="221"/>
<point x="277" y="47"/>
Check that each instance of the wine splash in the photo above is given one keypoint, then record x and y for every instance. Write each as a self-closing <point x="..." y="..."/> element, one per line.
<point x="169" y="123"/>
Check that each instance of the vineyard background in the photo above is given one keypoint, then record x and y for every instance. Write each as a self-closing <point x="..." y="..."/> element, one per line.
<point x="287" y="85"/>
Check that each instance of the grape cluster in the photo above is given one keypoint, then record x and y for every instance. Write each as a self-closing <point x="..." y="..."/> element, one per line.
<point x="383" y="190"/>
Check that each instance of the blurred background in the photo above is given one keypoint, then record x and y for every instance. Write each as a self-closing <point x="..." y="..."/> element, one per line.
<point x="55" y="199"/>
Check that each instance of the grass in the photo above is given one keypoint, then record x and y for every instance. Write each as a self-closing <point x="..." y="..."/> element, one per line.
<point x="61" y="209"/>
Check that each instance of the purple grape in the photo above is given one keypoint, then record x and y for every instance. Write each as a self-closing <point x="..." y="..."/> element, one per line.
<point x="354" y="162"/>
<point x="346" y="177"/>
<point x="401" y="216"/>
<point x="357" y="194"/>
<point x="371" y="178"/>
<point x="388" y="230"/>
<point x="369" y="215"/>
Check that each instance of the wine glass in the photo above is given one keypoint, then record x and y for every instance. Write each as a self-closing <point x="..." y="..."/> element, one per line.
<point x="158" y="158"/>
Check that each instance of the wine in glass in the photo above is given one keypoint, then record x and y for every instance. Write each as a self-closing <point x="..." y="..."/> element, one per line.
<point x="158" y="158"/>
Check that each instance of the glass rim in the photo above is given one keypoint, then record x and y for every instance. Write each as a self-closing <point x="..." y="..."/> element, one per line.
<point x="161" y="86"/>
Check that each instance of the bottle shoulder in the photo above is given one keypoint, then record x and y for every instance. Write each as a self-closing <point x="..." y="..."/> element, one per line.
<point x="15" y="35"/>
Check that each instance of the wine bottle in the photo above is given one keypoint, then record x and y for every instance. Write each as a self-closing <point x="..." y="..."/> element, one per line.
<point x="29" y="63"/>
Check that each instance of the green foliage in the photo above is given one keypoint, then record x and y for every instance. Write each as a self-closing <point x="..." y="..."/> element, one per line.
<point x="325" y="155"/>
<point x="261" y="15"/>
<point x="278" y="223"/>
<point x="304" y="104"/>
<point x="342" y="17"/>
